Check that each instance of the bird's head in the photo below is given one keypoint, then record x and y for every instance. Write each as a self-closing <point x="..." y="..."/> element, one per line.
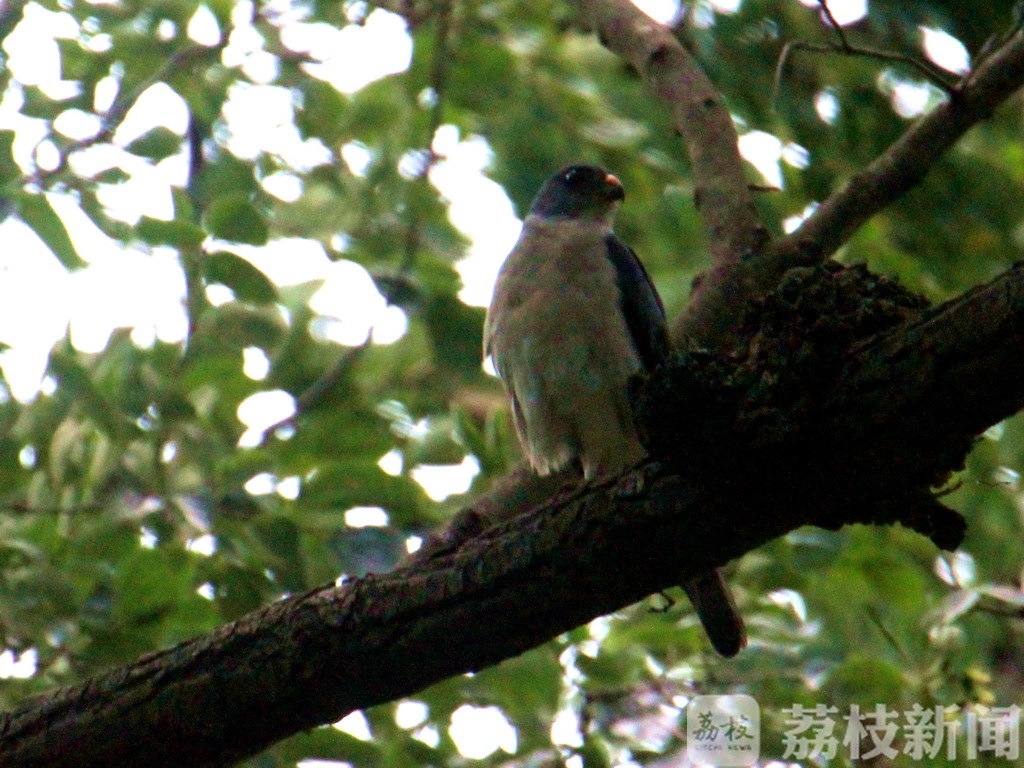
<point x="578" y="192"/>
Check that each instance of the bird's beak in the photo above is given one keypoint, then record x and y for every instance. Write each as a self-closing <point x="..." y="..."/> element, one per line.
<point x="615" y="190"/>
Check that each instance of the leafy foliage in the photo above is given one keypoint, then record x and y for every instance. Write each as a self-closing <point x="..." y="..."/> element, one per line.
<point x="131" y="517"/>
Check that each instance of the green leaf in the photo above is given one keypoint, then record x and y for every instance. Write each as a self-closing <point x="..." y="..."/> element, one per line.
<point x="234" y="326"/>
<point x="282" y="538"/>
<point x="456" y="331"/>
<point x="151" y="585"/>
<point x="222" y="11"/>
<point x="225" y="174"/>
<point x="156" y="144"/>
<point x="322" y="111"/>
<point x="97" y="213"/>
<point x="234" y="218"/>
<point x="76" y="381"/>
<point x="9" y="169"/>
<point x="865" y="680"/>
<point x="111" y="176"/>
<point x="247" y="281"/>
<point x="39" y="105"/>
<point x="36" y="211"/>
<point x="360" y="482"/>
<point x="374" y="110"/>
<point x="180" y="234"/>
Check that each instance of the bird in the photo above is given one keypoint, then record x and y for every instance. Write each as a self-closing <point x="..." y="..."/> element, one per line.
<point x="573" y="318"/>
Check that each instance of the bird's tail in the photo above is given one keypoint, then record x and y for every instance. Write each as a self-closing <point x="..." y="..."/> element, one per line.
<point x="717" y="612"/>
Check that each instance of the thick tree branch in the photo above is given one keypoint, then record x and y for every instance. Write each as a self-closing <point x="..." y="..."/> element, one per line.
<point x="512" y="585"/>
<point x="964" y="357"/>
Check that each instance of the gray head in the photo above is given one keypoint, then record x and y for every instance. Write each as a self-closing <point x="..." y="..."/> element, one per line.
<point x="576" y="192"/>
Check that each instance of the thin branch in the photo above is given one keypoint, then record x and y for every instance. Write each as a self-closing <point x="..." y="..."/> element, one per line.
<point x="340" y="370"/>
<point x="326" y="383"/>
<point x="112" y="120"/>
<point x="720" y="296"/>
<point x="192" y="255"/>
<point x="904" y="164"/>
<point x="998" y="40"/>
<point x="315" y="392"/>
<point x="929" y="72"/>
<point x="24" y="508"/>
<point x="836" y="26"/>
<point x="721" y="292"/>
<point x="438" y="78"/>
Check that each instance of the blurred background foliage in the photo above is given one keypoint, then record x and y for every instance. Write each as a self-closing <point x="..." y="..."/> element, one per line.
<point x="135" y="511"/>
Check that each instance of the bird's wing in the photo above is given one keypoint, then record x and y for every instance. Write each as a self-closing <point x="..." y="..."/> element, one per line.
<point x="640" y="303"/>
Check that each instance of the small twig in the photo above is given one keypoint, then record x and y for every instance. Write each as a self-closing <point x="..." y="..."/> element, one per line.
<point x="325" y="383"/>
<point x="669" y="603"/>
<point x="112" y="120"/>
<point x="23" y="508"/>
<point x="1008" y="613"/>
<point x="876" y="619"/>
<point x="836" y="26"/>
<point x="999" y="39"/>
<point x="315" y="391"/>
<point x="191" y="256"/>
<point x="438" y="77"/>
<point x="956" y="486"/>
<point x="845" y="48"/>
<point x="928" y="71"/>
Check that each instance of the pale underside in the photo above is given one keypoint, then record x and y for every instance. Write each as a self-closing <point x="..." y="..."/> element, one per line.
<point x="562" y="347"/>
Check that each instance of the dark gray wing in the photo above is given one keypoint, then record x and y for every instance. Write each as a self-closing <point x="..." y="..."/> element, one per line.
<point x="641" y="305"/>
<point x="645" y="317"/>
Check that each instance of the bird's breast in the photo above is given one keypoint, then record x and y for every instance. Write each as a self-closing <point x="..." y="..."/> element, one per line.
<point x="557" y="294"/>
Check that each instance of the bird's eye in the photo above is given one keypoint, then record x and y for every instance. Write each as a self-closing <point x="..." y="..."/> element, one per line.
<point x="570" y="175"/>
